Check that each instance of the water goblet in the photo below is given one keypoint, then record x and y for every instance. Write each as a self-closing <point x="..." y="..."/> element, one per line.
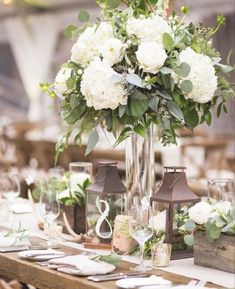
<point x="140" y="230"/>
<point x="49" y="209"/>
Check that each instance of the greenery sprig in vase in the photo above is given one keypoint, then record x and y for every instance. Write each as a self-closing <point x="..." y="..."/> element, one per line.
<point x="136" y="66"/>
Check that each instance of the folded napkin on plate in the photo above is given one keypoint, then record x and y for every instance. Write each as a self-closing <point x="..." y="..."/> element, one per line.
<point x="150" y="282"/>
<point x="81" y="265"/>
<point x="21" y="208"/>
<point x="12" y="241"/>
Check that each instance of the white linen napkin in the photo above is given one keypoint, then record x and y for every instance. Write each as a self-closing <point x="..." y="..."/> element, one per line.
<point x="80" y="265"/>
<point x="12" y="241"/>
<point x="152" y="281"/>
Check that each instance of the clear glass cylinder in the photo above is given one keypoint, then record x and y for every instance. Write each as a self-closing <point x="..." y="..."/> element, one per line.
<point x="140" y="174"/>
<point x="221" y="190"/>
<point x="79" y="173"/>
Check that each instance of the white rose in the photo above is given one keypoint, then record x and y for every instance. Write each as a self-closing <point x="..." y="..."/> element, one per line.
<point x="103" y="33"/>
<point x="98" y="88"/>
<point x="60" y="81"/>
<point x="148" y="29"/>
<point x="84" y="50"/>
<point x="158" y="222"/>
<point x="200" y="212"/>
<point x="151" y="56"/>
<point x="112" y="51"/>
<point x="223" y="207"/>
<point x="202" y="75"/>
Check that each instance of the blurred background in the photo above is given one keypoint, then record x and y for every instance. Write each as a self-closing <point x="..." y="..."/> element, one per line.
<point x="32" y="48"/>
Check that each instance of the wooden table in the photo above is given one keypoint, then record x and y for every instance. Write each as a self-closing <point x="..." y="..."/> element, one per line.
<point x="12" y="267"/>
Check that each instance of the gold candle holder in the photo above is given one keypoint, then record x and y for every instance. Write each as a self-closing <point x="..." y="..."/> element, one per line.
<point x="161" y="254"/>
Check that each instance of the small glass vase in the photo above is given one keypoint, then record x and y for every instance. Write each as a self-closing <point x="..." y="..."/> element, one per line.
<point x="140" y="174"/>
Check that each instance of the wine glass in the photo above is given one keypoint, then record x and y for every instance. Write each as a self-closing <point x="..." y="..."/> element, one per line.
<point x="10" y="184"/>
<point x="49" y="208"/>
<point x="221" y="189"/>
<point x="140" y="230"/>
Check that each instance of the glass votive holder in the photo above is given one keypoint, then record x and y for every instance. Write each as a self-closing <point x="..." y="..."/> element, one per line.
<point x="79" y="173"/>
<point x="161" y="254"/>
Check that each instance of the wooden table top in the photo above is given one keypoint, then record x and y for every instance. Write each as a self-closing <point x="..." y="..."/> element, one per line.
<point x="12" y="267"/>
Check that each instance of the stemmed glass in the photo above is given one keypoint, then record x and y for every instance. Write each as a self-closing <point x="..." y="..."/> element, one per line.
<point x="10" y="186"/>
<point x="221" y="189"/>
<point x="140" y="230"/>
<point x="49" y="209"/>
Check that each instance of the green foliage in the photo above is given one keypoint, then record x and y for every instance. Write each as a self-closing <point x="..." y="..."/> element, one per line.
<point x="71" y="31"/>
<point x="161" y="98"/>
<point x="83" y="16"/>
<point x="112" y="259"/>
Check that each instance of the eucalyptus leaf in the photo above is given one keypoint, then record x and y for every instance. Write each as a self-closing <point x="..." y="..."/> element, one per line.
<point x="92" y="141"/>
<point x="140" y="129"/>
<point x="225" y="68"/>
<point x="135" y="80"/>
<point x="175" y="110"/>
<point x="113" y="3"/>
<point x="138" y="107"/>
<point x="74" y="102"/>
<point x="207" y="116"/>
<point x="153" y="104"/>
<point x="70" y="83"/>
<point x="190" y="225"/>
<point x="214" y="232"/>
<point x="168" y="41"/>
<point x="70" y="31"/>
<point x="188" y="239"/>
<point x="121" y="110"/>
<point x="137" y="94"/>
<point x="165" y="94"/>
<point x="186" y="86"/>
<point x="166" y="70"/>
<point x="83" y="16"/>
<point x="184" y="69"/>
<point x="192" y="118"/>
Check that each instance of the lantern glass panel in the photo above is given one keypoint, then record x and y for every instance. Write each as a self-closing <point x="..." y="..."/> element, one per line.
<point x="168" y="218"/>
<point x="101" y="212"/>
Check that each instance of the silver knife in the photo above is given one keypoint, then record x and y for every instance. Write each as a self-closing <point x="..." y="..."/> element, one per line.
<point x="117" y="276"/>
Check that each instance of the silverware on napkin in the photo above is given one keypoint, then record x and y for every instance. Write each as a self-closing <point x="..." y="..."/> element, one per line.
<point x="32" y="255"/>
<point x="24" y="248"/>
<point x="117" y="276"/>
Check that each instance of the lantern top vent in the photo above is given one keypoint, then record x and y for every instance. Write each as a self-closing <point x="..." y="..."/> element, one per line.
<point x="175" y="188"/>
<point x="107" y="180"/>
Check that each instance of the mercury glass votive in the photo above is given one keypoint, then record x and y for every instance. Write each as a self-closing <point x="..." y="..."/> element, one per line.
<point x="161" y="254"/>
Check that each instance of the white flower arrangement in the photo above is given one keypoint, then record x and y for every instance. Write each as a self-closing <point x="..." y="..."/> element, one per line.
<point x="215" y="218"/>
<point x="135" y="67"/>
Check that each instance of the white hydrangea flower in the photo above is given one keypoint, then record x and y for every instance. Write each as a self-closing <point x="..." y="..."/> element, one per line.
<point x="202" y="75"/>
<point x="200" y="212"/>
<point x="103" y="33"/>
<point x="223" y="207"/>
<point x="148" y="29"/>
<point x="60" y="81"/>
<point x="151" y="56"/>
<point x="98" y="88"/>
<point x="84" y="50"/>
<point x="112" y="51"/>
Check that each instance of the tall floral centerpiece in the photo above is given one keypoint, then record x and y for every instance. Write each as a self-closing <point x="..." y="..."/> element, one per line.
<point x="135" y="68"/>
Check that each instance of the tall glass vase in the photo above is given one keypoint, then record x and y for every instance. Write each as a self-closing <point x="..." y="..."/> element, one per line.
<point x="140" y="174"/>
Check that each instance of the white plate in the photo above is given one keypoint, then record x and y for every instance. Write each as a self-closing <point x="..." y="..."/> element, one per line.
<point x="134" y="282"/>
<point x="47" y="254"/>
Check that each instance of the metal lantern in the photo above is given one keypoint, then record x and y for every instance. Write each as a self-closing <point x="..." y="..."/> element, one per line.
<point x="171" y="199"/>
<point x="105" y="199"/>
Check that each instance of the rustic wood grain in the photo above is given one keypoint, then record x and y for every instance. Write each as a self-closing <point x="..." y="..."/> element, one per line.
<point x="219" y="255"/>
<point x="11" y="266"/>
